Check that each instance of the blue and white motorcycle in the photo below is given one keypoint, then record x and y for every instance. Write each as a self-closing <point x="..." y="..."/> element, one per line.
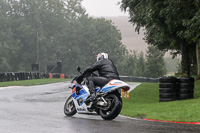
<point x="108" y="103"/>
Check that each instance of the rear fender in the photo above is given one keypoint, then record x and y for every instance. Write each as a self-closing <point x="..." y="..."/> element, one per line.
<point x="115" y="85"/>
<point x="117" y="92"/>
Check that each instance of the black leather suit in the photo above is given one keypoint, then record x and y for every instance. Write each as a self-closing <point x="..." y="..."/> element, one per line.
<point x="107" y="71"/>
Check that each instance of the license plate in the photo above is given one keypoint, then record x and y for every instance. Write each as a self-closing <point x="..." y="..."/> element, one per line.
<point x="124" y="93"/>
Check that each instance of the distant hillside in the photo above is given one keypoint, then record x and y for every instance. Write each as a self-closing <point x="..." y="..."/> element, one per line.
<point x="134" y="41"/>
<point x="130" y="37"/>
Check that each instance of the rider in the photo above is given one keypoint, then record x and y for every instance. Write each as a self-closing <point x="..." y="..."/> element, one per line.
<point x="107" y="71"/>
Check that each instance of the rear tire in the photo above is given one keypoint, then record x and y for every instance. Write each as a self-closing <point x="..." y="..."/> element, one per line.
<point x="115" y="108"/>
<point x="69" y="108"/>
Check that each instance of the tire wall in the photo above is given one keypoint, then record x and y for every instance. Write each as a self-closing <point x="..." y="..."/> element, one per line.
<point x="15" y="76"/>
<point x="172" y="88"/>
<point x="167" y="89"/>
<point x="185" y="88"/>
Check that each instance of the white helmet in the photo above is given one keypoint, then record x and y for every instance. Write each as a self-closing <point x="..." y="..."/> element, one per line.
<point x="101" y="56"/>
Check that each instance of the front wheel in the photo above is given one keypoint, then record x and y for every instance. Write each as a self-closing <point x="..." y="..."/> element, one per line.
<point x="69" y="108"/>
<point x="115" y="106"/>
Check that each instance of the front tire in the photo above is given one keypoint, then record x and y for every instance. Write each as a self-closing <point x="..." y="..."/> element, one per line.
<point x="114" y="109"/>
<point x="69" y="108"/>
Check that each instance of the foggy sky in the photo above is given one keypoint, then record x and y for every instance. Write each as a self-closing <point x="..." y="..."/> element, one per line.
<point x="103" y="8"/>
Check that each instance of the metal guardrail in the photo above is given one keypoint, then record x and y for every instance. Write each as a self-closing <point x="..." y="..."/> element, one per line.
<point x="15" y="76"/>
<point x="139" y="79"/>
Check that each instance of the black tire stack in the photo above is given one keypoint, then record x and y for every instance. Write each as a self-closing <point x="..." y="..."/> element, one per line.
<point x="167" y="89"/>
<point x="185" y="88"/>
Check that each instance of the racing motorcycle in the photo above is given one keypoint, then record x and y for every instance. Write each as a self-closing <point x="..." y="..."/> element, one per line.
<point x="108" y="103"/>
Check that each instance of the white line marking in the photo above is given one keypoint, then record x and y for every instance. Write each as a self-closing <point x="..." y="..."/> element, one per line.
<point x="10" y="87"/>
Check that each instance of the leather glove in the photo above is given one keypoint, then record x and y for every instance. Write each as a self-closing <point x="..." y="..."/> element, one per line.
<point x="79" y="78"/>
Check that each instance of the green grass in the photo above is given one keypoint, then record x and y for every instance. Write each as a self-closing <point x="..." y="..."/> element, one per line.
<point x="144" y="103"/>
<point x="31" y="82"/>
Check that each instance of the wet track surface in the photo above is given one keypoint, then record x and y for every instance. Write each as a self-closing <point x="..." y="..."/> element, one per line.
<point x="39" y="109"/>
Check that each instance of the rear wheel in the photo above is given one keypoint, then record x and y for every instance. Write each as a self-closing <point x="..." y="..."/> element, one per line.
<point x="69" y="108"/>
<point x="114" y="107"/>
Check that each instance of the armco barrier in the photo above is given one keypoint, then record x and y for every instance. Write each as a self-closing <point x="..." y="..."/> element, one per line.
<point x="129" y="79"/>
<point x="15" y="76"/>
<point x="139" y="79"/>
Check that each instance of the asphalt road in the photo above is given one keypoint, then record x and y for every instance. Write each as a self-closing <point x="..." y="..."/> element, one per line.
<point x="39" y="109"/>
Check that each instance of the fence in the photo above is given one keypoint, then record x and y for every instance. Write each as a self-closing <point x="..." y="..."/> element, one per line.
<point x="15" y="76"/>
<point x="139" y="79"/>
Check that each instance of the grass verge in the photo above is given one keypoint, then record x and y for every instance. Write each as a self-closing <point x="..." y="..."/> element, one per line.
<point x="31" y="82"/>
<point x="144" y="103"/>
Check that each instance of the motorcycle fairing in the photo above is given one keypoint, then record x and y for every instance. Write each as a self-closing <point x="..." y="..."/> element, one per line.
<point x="113" y="84"/>
<point x="80" y="108"/>
<point x="83" y="94"/>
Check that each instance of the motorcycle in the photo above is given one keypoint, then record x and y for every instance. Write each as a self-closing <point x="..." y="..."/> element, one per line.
<point x="108" y="103"/>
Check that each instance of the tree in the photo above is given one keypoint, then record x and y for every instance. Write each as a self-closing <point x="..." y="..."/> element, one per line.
<point x="155" y="66"/>
<point x="7" y="48"/>
<point x="47" y="31"/>
<point x="32" y="24"/>
<point x="141" y="65"/>
<point x="133" y="64"/>
<point x="87" y="37"/>
<point x="173" y="20"/>
<point x="37" y="28"/>
<point x="171" y="64"/>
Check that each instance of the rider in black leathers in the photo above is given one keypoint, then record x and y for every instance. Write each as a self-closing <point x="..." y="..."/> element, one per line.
<point x="107" y="71"/>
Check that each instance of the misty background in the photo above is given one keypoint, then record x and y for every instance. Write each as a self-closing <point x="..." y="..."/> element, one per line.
<point x="46" y="32"/>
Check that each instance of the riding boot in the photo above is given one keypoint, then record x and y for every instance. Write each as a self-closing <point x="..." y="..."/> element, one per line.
<point x="92" y="96"/>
